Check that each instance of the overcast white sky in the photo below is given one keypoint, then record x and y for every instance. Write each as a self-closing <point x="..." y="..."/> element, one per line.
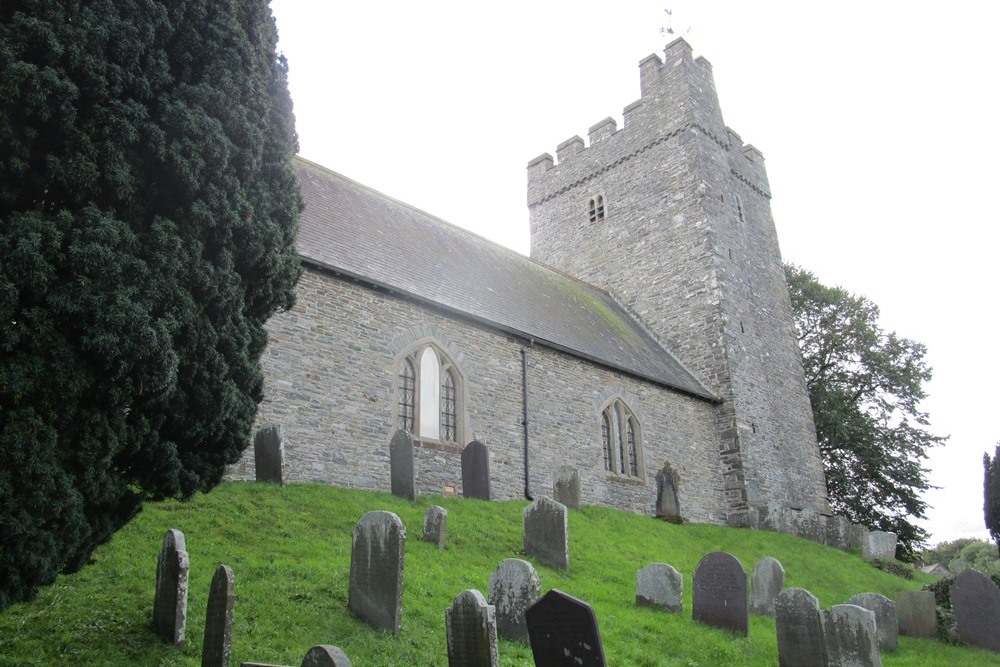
<point x="877" y="120"/>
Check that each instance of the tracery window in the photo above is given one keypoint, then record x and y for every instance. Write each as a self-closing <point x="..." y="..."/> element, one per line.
<point x="407" y="396"/>
<point x="429" y="395"/>
<point x="595" y="209"/>
<point x="621" y="440"/>
<point x="606" y="440"/>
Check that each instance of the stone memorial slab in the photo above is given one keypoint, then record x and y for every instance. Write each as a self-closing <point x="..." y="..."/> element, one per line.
<point x="975" y="600"/>
<point x="916" y="613"/>
<point x="401" y="476"/>
<point x="218" y="640"/>
<point x="476" y="471"/>
<point x="849" y="637"/>
<point x="659" y="586"/>
<point x="325" y="656"/>
<point x="376" y="583"/>
<point x="471" y="627"/>
<point x="668" y="506"/>
<point x="435" y="525"/>
<point x="563" y="632"/>
<point x="799" y="629"/>
<point x="856" y="537"/>
<point x="269" y="453"/>
<point x="778" y="518"/>
<point x="514" y="586"/>
<point x="719" y="592"/>
<point x="838" y="532"/>
<point x="886" y="624"/>
<point x="170" y="600"/>
<point x="766" y="581"/>
<point x="809" y="525"/>
<point x="546" y="532"/>
<point x="878" y="544"/>
<point x="566" y="488"/>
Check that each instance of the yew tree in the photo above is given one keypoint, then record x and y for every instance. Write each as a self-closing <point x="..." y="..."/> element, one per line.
<point x="147" y="217"/>
<point x="991" y="493"/>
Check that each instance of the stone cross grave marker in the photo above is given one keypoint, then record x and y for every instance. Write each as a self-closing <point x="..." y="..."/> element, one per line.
<point x="376" y="582"/>
<point x="766" y="581"/>
<point x="471" y="627"/>
<point x="436" y="525"/>
<point x="566" y="487"/>
<point x="563" y="632"/>
<point x="878" y="544"/>
<point x="546" y="532"/>
<point x="975" y="600"/>
<point x="659" y="586"/>
<point x="799" y="629"/>
<point x="719" y="592"/>
<point x="170" y="600"/>
<point x="218" y="641"/>
<point x="325" y="656"/>
<point x="514" y="586"/>
<point x="886" y="624"/>
<point x="476" y="471"/>
<point x="269" y="453"/>
<point x="668" y="506"/>
<point x="401" y="476"/>
<point x="849" y="637"/>
<point x="917" y="614"/>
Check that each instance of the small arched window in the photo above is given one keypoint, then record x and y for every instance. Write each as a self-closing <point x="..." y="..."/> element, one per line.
<point x="621" y="440"/>
<point x="429" y="396"/>
<point x="606" y="440"/>
<point x="448" y="409"/>
<point x="595" y="209"/>
<point x="407" y="395"/>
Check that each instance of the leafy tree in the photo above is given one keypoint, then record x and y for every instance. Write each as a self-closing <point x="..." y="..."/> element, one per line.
<point x="991" y="493"/>
<point x="865" y="385"/>
<point x="147" y="220"/>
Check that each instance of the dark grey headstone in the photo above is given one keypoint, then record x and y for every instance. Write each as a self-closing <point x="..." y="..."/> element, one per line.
<point x="975" y="601"/>
<point x="546" y="532"/>
<point x="325" y="656"/>
<point x="799" y="629"/>
<point x="886" y="624"/>
<point x="219" y="620"/>
<point x="471" y="627"/>
<point x="668" y="507"/>
<point x="766" y="581"/>
<point x="170" y="600"/>
<point x="436" y="525"/>
<point x="514" y="587"/>
<point x="849" y="637"/>
<point x="838" y="532"/>
<point x="566" y="488"/>
<point x="401" y="475"/>
<point x="564" y="632"/>
<point x="476" y="471"/>
<point x="660" y="586"/>
<point x="719" y="592"/>
<point x="376" y="585"/>
<point x="269" y="453"/>
<point x="877" y="544"/>
<point x="917" y="614"/>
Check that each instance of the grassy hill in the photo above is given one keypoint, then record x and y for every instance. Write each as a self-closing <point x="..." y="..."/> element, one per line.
<point x="289" y="548"/>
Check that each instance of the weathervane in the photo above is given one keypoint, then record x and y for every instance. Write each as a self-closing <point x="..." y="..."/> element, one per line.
<point x="669" y="29"/>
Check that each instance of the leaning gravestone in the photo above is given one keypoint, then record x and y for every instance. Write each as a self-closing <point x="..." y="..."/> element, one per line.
<point x="766" y="581"/>
<point x="325" y="656"/>
<point x="668" y="506"/>
<point x="546" y="532"/>
<point x="878" y="544"/>
<point x="660" y="586"/>
<point x="563" y="632"/>
<point x="476" y="471"/>
<point x="916" y="613"/>
<point x="514" y="587"/>
<point x="269" y="453"/>
<point x="471" y="627"/>
<point x="566" y="488"/>
<point x="376" y="583"/>
<point x="800" y="632"/>
<point x="435" y="525"/>
<point x="849" y="637"/>
<point x="401" y="476"/>
<point x="219" y="620"/>
<point x="886" y="624"/>
<point x="975" y="600"/>
<point x="170" y="600"/>
<point x="719" y="593"/>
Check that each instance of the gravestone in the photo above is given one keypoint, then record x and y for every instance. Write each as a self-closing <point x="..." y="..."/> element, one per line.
<point x="668" y="506"/>
<point x="514" y="586"/>
<point x="660" y="586"/>
<point x="856" y="537"/>
<point x="376" y="584"/>
<point x="471" y="629"/>
<point x="325" y="656"/>
<point x="269" y="453"/>
<point x="849" y="637"/>
<point x="401" y="476"/>
<point x="838" y="532"/>
<point x="219" y="620"/>
<point x="476" y="471"/>
<point x="563" y="632"/>
<point x="719" y="593"/>
<point x="809" y="525"/>
<point x="886" y="624"/>
<point x="170" y="599"/>
<point x="566" y="488"/>
<point x="766" y="581"/>
<point x="916" y="613"/>
<point x="435" y="525"/>
<point x="975" y="600"/>
<point x="878" y="544"/>
<point x="799" y="629"/>
<point x="546" y="532"/>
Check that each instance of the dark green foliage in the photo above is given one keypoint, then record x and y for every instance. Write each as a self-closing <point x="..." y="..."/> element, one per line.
<point x="991" y="493"/>
<point x="147" y="220"/>
<point x="946" y="629"/>
<point x="893" y="568"/>
<point x="865" y="385"/>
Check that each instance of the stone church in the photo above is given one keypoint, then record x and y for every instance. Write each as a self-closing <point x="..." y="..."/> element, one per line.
<point x="650" y="327"/>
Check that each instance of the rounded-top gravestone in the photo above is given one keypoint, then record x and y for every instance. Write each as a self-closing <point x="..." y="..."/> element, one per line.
<point x="719" y="593"/>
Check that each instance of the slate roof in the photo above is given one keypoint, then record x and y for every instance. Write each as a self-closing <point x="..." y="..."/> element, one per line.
<point x="357" y="232"/>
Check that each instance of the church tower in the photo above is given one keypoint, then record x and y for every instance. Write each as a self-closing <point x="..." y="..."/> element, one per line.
<point x="671" y="214"/>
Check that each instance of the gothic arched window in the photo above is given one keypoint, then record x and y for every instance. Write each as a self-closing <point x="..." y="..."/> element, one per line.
<point x="595" y="209"/>
<point x="429" y="395"/>
<point x="621" y="440"/>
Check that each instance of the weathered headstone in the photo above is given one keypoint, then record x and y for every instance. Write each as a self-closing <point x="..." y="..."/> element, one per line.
<point x="719" y="593"/>
<point x="325" y="656"/>
<point x="563" y="632"/>
<point x="838" y="532"/>
<point x="766" y="581"/>
<point x="849" y="637"/>
<point x="660" y="586"/>
<point x="514" y="586"/>
<point x="476" y="471"/>
<point x="566" y="487"/>
<point x="799" y="629"/>
<point x="856" y="536"/>
<point x="402" y="479"/>
<point x="916" y="613"/>
<point x="170" y="600"/>
<point x="668" y="506"/>
<point x="471" y="627"/>
<point x="219" y="620"/>
<point x="975" y="600"/>
<point x="435" y="525"/>
<point x="886" y="624"/>
<point x="878" y="544"/>
<point x="809" y="525"/>
<point x="269" y="453"/>
<point x="546" y="532"/>
<point x="376" y="583"/>
<point x="778" y="518"/>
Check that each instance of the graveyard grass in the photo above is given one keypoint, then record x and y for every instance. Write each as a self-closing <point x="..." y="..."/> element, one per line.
<point x="289" y="548"/>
